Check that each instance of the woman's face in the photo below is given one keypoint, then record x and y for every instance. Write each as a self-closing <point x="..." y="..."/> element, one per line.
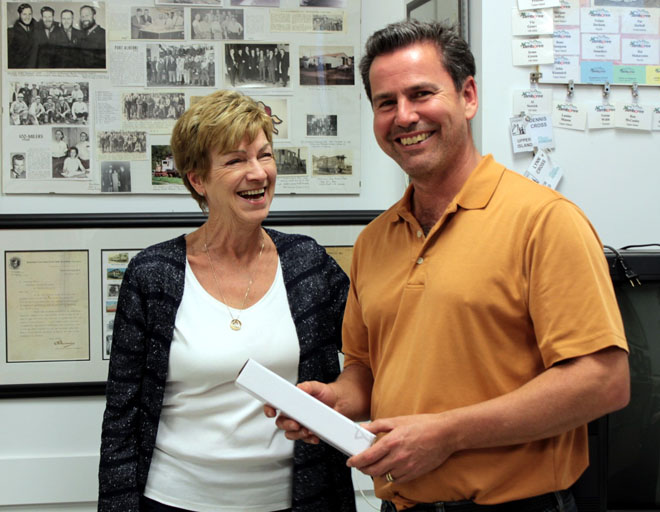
<point x="239" y="186"/>
<point x="59" y="135"/>
<point x="26" y="15"/>
<point x="73" y="153"/>
<point x="83" y="136"/>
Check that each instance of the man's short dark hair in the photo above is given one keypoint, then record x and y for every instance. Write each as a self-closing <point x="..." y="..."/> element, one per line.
<point x="89" y="7"/>
<point x="45" y="8"/>
<point x="17" y="156"/>
<point x="452" y="48"/>
<point x="22" y="7"/>
<point x="66" y="10"/>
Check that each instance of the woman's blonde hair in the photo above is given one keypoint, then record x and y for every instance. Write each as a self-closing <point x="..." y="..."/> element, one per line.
<point x="217" y="122"/>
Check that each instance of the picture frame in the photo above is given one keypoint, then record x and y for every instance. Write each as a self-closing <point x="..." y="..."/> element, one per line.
<point x="49" y="352"/>
<point x="454" y="11"/>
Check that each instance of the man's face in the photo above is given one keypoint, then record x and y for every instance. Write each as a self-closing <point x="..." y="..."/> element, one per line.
<point x="420" y="120"/>
<point x="67" y="20"/>
<point x="86" y="17"/>
<point x="26" y="15"/>
<point x="19" y="165"/>
<point x="47" y="19"/>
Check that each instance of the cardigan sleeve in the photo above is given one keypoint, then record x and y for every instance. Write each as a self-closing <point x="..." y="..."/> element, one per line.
<point x="118" y="487"/>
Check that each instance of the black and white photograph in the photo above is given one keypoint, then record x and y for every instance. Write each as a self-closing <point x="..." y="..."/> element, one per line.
<point x="256" y="3"/>
<point x="157" y="23"/>
<point x="113" y="290"/>
<point x="70" y="152"/>
<point x="217" y="24"/>
<point x="171" y="65"/>
<point x="340" y="4"/>
<point x="123" y="144"/>
<point x="152" y="106"/>
<point x="163" y="170"/>
<point x="321" y="125"/>
<point x="188" y="2"/>
<point x="328" y="22"/>
<point x="116" y="177"/>
<point x="291" y="161"/>
<point x="332" y="162"/>
<point x="49" y="103"/>
<point x="18" y="169"/>
<point x="56" y="35"/>
<point x="257" y="65"/>
<point x="327" y="65"/>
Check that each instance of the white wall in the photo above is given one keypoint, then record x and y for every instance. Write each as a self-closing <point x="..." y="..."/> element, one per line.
<point x="613" y="175"/>
<point x="49" y="447"/>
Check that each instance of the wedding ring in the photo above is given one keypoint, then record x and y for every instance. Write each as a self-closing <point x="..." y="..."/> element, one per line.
<point x="389" y="477"/>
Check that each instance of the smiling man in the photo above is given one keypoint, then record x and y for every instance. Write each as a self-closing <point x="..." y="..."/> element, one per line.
<point x="92" y="43"/>
<point x="463" y="314"/>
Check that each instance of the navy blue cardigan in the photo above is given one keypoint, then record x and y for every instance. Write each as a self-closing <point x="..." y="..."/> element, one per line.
<point x="144" y="323"/>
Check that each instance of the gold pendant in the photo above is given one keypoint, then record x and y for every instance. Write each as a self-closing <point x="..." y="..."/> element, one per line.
<point x="235" y="324"/>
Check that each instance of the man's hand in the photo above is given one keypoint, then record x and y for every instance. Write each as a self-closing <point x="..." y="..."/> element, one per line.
<point x="292" y="429"/>
<point x="411" y="447"/>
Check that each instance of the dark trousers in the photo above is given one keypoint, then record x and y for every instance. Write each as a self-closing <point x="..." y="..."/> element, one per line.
<point x="560" y="501"/>
<point x="149" y="505"/>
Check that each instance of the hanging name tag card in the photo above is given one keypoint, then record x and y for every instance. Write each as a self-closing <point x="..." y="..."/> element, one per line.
<point x="537" y="4"/>
<point x="601" y="116"/>
<point x="568" y="13"/>
<point x="566" y="114"/>
<point x="521" y="140"/>
<point x="634" y="116"/>
<point x="640" y="21"/>
<point x="656" y="118"/>
<point x="539" y="127"/>
<point x="543" y="171"/>
<point x="595" y="20"/>
<point x="532" y="51"/>
<point x="532" y="23"/>
<point x="532" y="101"/>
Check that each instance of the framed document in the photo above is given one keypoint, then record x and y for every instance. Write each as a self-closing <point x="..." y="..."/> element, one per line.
<point x="48" y="314"/>
<point x="61" y="280"/>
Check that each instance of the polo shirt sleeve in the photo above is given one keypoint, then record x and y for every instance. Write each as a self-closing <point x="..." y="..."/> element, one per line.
<point x="571" y="299"/>
<point x="355" y="345"/>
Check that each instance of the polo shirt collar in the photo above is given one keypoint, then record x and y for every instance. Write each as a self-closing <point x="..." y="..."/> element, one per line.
<point x="475" y="193"/>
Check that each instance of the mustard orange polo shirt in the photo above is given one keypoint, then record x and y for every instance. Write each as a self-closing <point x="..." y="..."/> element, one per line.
<point x="511" y="280"/>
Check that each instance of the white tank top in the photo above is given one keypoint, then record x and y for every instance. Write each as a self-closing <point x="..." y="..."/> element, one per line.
<point x="215" y="450"/>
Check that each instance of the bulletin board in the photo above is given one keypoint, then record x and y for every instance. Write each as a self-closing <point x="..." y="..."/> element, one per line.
<point x="598" y="41"/>
<point x="91" y="112"/>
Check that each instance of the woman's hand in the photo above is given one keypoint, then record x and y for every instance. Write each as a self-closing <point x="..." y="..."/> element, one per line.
<point x="294" y="430"/>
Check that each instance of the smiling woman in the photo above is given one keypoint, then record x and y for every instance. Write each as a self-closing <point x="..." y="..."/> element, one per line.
<point x="192" y="310"/>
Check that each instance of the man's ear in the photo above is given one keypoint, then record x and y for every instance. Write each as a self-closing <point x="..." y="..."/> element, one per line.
<point x="470" y="97"/>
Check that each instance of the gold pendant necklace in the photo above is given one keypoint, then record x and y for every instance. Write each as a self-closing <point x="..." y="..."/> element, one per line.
<point x="235" y="324"/>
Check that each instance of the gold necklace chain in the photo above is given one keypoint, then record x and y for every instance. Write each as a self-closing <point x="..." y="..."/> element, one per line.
<point x="235" y="323"/>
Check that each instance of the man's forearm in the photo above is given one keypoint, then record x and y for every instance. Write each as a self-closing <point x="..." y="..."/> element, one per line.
<point x="353" y="390"/>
